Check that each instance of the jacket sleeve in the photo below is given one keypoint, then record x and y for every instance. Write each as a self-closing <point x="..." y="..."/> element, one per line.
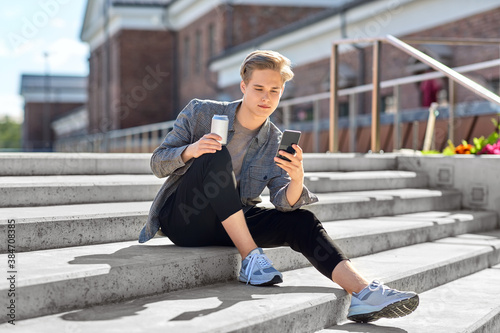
<point x="277" y="188"/>
<point x="166" y="159"/>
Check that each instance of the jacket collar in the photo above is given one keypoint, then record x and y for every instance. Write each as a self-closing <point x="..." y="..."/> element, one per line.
<point x="263" y="134"/>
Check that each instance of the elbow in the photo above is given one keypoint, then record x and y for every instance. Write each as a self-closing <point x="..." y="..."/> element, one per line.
<point x="157" y="173"/>
<point x="156" y="167"/>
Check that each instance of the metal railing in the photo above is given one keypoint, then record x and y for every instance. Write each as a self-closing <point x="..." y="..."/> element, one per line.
<point x="376" y="84"/>
<point x="146" y="138"/>
<point x="287" y="105"/>
<point x="140" y="139"/>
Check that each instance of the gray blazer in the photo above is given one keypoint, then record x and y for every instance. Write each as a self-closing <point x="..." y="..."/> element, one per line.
<point x="258" y="169"/>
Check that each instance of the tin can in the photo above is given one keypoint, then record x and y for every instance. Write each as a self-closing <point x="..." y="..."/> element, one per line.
<point x="220" y="126"/>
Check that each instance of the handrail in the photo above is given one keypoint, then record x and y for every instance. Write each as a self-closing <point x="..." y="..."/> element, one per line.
<point x="141" y="129"/>
<point x="376" y="84"/>
<point x="455" y="76"/>
<point x="137" y="136"/>
<point x="428" y="40"/>
<point x="389" y="83"/>
<point x="418" y="78"/>
<point x="453" y="41"/>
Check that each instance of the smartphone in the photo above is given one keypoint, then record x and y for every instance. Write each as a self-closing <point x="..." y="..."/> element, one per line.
<point x="287" y="140"/>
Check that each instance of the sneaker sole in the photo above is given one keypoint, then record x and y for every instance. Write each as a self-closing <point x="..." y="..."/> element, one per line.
<point x="394" y="310"/>
<point x="276" y="279"/>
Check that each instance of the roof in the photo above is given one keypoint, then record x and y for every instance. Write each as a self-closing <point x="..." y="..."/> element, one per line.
<point x="155" y="3"/>
<point x="96" y="7"/>
<point x="56" y="88"/>
<point x="309" y="20"/>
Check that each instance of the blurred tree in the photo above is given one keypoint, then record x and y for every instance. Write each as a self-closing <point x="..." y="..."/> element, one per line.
<point x="10" y="133"/>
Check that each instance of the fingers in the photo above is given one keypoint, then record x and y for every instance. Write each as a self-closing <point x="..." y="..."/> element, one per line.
<point x="294" y="167"/>
<point x="295" y="159"/>
<point x="298" y="152"/>
<point x="214" y="136"/>
<point x="211" y="140"/>
<point x="208" y="144"/>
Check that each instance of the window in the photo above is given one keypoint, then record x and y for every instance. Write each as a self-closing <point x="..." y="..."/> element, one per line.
<point x="494" y="85"/>
<point x="199" y="53"/>
<point x="211" y="40"/>
<point x="343" y="109"/>
<point x="388" y="104"/>
<point x="186" y="58"/>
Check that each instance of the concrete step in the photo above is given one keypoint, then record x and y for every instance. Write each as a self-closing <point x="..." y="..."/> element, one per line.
<point x="42" y="164"/>
<point x="73" y="189"/>
<point x="360" y="204"/>
<point x="66" y="190"/>
<point x="323" y="182"/>
<point x="52" y="281"/>
<point x="305" y="302"/>
<point x="390" y="232"/>
<point x="469" y="304"/>
<point x="47" y="227"/>
<point x="349" y="162"/>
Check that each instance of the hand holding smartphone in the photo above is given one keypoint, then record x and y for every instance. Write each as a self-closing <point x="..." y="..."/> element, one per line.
<point x="289" y="138"/>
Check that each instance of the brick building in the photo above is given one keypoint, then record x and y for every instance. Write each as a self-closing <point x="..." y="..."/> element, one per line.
<point x="308" y="45"/>
<point x="150" y="57"/>
<point x="47" y="98"/>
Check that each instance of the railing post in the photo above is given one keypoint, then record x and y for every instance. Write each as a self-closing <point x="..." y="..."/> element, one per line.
<point x="128" y="143"/>
<point x="145" y="142"/>
<point x="451" y="110"/>
<point x="415" y="130"/>
<point x="333" y="144"/>
<point x="155" y="139"/>
<point x="431" y="124"/>
<point x="136" y="143"/>
<point x="353" y="126"/>
<point x="316" y="116"/>
<point x="397" y="104"/>
<point x="286" y="116"/>
<point x="375" y="137"/>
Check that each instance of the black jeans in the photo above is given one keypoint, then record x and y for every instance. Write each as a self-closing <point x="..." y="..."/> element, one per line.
<point x="207" y="195"/>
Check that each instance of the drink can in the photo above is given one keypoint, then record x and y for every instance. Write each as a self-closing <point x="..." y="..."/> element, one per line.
<point x="220" y="126"/>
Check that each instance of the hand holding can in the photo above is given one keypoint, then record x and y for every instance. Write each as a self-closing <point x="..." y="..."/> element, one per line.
<point x="220" y="127"/>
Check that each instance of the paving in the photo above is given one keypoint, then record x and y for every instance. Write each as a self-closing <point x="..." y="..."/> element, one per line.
<point x="291" y="306"/>
<point x="81" y="269"/>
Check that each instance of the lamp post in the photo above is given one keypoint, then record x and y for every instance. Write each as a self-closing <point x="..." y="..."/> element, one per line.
<point x="46" y="106"/>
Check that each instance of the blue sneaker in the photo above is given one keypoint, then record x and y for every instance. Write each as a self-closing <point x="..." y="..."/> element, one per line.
<point x="258" y="270"/>
<point x="379" y="301"/>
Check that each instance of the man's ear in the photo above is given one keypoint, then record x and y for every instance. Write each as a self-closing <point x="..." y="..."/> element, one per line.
<point x="243" y="86"/>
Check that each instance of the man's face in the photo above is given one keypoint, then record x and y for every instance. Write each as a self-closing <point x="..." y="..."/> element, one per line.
<point x="262" y="93"/>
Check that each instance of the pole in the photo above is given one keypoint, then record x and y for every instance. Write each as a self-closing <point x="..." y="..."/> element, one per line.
<point x="333" y="145"/>
<point x="46" y="106"/>
<point x="375" y="142"/>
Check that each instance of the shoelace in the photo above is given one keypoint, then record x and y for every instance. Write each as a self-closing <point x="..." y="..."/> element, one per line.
<point x="255" y="258"/>
<point x="376" y="285"/>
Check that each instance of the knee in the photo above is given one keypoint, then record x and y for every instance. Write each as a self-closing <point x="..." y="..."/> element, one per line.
<point x="307" y="216"/>
<point x="220" y="160"/>
<point x="305" y="221"/>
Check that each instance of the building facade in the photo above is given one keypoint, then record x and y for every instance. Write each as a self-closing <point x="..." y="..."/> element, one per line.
<point x="47" y="98"/>
<point x="149" y="58"/>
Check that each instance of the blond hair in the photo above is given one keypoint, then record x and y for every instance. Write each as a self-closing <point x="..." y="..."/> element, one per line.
<point x="263" y="59"/>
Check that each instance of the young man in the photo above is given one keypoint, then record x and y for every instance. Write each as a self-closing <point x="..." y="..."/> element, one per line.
<point x="212" y="190"/>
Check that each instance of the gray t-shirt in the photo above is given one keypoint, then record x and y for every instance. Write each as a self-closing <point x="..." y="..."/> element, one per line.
<point x="238" y="146"/>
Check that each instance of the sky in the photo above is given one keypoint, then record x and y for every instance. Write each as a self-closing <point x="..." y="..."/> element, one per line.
<point x="30" y="28"/>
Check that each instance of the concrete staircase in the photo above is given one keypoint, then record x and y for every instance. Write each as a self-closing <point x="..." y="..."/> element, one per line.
<point x="79" y="268"/>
